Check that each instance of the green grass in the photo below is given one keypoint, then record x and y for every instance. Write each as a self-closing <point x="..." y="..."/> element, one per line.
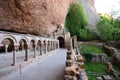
<point x="116" y="68"/>
<point x="91" y="78"/>
<point x="94" y="68"/>
<point x="90" y="49"/>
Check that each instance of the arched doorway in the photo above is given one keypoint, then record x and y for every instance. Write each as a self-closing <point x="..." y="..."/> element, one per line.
<point x="61" y="42"/>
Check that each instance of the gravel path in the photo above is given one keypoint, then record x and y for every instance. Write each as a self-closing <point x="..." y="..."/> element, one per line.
<point x="50" y="69"/>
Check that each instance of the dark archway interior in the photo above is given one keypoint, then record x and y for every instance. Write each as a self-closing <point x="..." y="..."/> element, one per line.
<point x="61" y="42"/>
<point x="9" y="42"/>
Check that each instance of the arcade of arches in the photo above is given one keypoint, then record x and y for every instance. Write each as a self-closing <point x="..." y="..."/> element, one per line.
<point x="30" y="45"/>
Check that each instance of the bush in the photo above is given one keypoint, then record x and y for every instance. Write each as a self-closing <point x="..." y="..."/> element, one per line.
<point x="105" y="28"/>
<point x="87" y="35"/>
<point x="75" y="19"/>
<point x="88" y="56"/>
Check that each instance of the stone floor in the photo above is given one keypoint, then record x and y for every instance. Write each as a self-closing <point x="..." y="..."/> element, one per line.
<point x="6" y="59"/>
<point x="51" y="68"/>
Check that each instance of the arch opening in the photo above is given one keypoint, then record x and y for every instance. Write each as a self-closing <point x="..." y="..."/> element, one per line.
<point x="7" y="45"/>
<point x="61" y="42"/>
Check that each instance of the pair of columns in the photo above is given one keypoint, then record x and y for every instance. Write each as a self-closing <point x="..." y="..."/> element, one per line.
<point x="15" y="47"/>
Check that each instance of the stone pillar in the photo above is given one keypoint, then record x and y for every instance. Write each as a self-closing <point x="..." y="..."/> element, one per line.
<point x="58" y="44"/>
<point x="41" y="48"/>
<point x="6" y="49"/>
<point x="48" y="47"/>
<point x="52" y="46"/>
<point x="26" y="47"/>
<point x="34" y="48"/>
<point x="14" y="54"/>
<point x="22" y="47"/>
<point x="45" y="47"/>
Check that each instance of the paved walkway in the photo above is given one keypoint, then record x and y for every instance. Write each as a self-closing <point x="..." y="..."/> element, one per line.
<point x="51" y="68"/>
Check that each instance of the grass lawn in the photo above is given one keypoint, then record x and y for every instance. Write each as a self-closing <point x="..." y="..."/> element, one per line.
<point x="93" y="69"/>
<point x="90" y="49"/>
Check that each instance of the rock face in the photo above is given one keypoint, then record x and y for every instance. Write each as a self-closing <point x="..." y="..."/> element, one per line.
<point x="91" y="13"/>
<point x="32" y="16"/>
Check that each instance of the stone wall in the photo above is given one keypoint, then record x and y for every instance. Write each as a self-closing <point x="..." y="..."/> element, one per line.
<point x="116" y="59"/>
<point x="113" y="53"/>
<point x="74" y="66"/>
<point x="101" y="58"/>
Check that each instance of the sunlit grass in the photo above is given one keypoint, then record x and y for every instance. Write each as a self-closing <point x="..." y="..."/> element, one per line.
<point x="90" y="49"/>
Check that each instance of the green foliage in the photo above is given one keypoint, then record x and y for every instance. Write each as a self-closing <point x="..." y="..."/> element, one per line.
<point x="75" y="19"/>
<point x="91" y="77"/>
<point x="88" y="56"/>
<point x="87" y="35"/>
<point x="105" y="28"/>
<point x="108" y="28"/>
<point x="93" y="67"/>
<point x="90" y="49"/>
<point x="117" y="23"/>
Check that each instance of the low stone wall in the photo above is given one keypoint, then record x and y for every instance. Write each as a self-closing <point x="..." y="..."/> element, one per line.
<point x="116" y="59"/>
<point x="74" y="67"/>
<point x="114" y="54"/>
<point x="109" y="50"/>
<point x="101" y="58"/>
<point x="112" y="71"/>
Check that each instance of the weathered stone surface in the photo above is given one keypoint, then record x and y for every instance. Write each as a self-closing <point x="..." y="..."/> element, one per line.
<point x="32" y="16"/>
<point x="69" y="63"/>
<point x="79" y="59"/>
<point x="91" y="13"/>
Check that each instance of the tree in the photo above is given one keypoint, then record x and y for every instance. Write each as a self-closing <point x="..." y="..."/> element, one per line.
<point x="75" y="19"/>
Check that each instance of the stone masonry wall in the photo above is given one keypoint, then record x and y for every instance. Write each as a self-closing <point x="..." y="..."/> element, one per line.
<point x="74" y="66"/>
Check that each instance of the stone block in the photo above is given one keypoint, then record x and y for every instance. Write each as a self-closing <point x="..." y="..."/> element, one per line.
<point x="81" y="65"/>
<point x="69" y="63"/>
<point x="106" y="77"/>
<point x="69" y="52"/>
<point x="99" y="78"/>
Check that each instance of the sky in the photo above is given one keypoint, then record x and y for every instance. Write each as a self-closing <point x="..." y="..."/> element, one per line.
<point x="105" y="6"/>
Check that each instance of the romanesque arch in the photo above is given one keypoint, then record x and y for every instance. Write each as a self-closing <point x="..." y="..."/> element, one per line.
<point x="61" y="42"/>
<point x="9" y="37"/>
<point x="7" y="42"/>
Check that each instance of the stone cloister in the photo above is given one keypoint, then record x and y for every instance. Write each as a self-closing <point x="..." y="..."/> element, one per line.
<point x="27" y="43"/>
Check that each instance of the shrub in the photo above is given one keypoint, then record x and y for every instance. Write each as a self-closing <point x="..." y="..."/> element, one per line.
<point x="88" y="56"/>
<point x="87" y="35"/>
<point x="105" y="28"/>
<point x="75" y="19"/>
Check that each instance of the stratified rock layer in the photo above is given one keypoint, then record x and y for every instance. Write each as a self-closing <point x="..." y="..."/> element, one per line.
<point x="91" y="13"/>
<point x="32" y="16"/>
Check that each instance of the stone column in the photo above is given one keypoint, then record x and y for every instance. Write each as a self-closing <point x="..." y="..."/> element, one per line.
<point x="34" y="47"/>
<point x="26" y="47"/>
<point x="14" y="54"/>
<point x="45" y="47"/>
<point x="52" y="46"/>
<point x="55" y="46"/>
<point x="41" y="49"/>
<point x="6" y="49"/>
<point x="22" y="47"/>
<point x="58" y="44"/>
